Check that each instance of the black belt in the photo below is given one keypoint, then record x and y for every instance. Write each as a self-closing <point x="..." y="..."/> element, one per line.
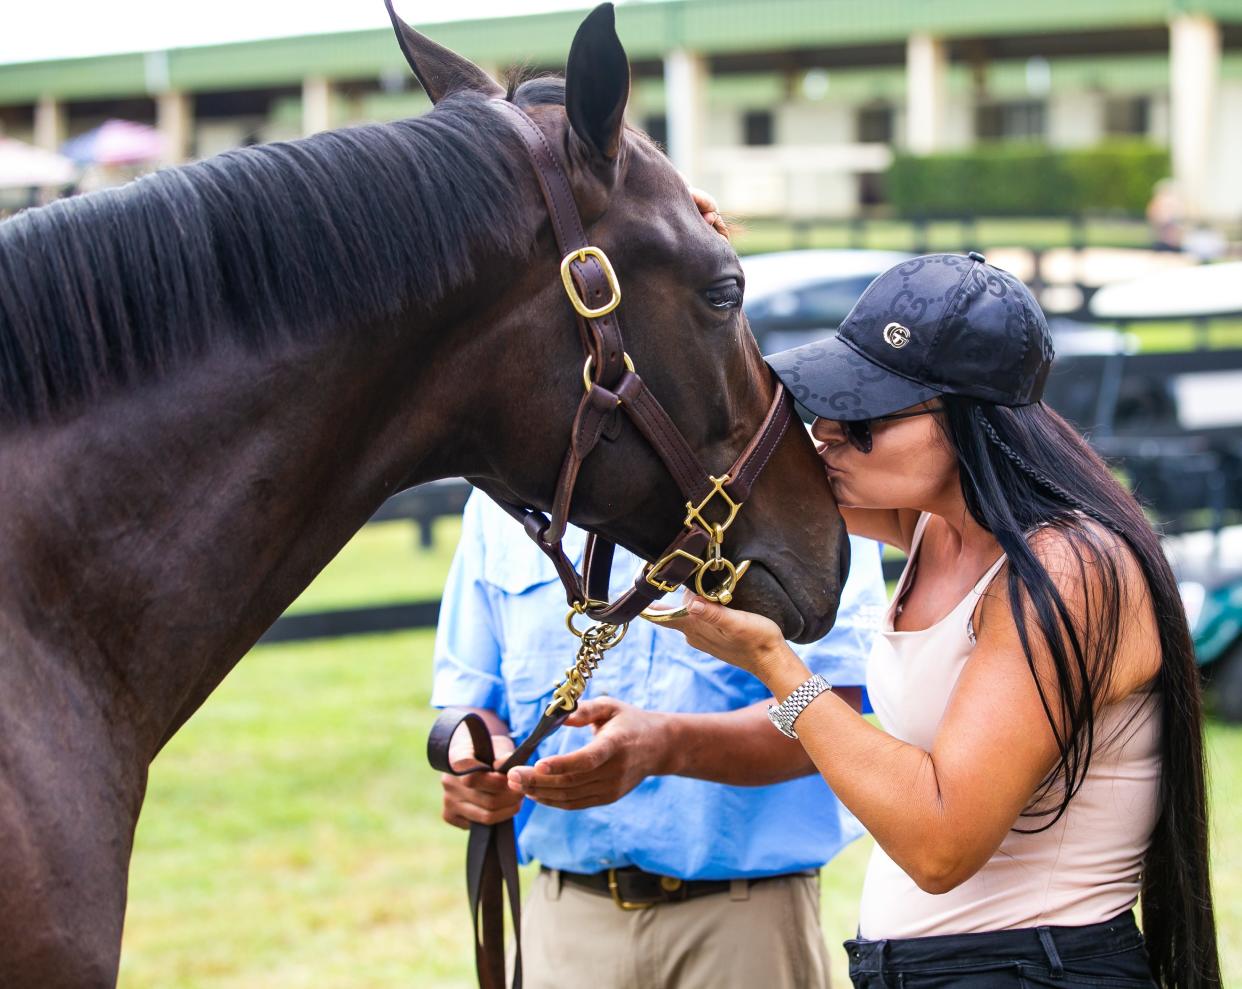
<point x="632" y="888"/>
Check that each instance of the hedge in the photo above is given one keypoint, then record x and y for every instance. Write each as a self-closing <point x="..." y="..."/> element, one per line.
<point x="1024" y="179"/>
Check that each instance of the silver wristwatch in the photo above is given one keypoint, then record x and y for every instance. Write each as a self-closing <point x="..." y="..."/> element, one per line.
<point x="784" y="715"/>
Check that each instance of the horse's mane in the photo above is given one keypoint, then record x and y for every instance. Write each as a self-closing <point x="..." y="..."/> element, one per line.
<point x="254" y="246"/>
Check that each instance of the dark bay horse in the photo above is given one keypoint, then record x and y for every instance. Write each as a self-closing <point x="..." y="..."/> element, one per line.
<point x="212" y="377"/>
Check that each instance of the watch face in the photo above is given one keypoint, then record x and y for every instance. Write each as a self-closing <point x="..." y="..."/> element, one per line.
<point x="781" y="723"/>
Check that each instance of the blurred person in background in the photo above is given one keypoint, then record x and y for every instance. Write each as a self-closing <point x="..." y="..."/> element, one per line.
<point x="1039" y="762"/>
<point x="1166" y="216"/>
<point x="668" y="784"/>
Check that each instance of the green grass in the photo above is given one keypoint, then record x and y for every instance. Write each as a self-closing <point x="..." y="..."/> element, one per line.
<point x="291" y="836"/>
<point x="1179" y="335"/>
<point x="383" y="564"/>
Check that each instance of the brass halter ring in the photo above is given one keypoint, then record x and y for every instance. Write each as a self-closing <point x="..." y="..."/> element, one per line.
<point x="588" y="384"/>
<point x="721" y="595"/>
<point x="602" y="634"/>
<point x="724" y="593"/>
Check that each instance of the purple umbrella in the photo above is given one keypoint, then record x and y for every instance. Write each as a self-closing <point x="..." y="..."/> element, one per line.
<point x="116" y="142"/>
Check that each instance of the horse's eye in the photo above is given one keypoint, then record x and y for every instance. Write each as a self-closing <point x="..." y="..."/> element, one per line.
<point x="726" y="294"/>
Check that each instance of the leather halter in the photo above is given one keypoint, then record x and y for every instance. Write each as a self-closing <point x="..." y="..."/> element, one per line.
<point x="611" y="383"/>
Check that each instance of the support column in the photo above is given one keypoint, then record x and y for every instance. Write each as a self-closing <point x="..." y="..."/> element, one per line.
<point x="316" y="105"/>
<point x="685" y="101"/>
<point x="49" y="123"/>
<point x="174" y="116"/>
<point x="1194" y="75"/>
<point x="927" y="70"/>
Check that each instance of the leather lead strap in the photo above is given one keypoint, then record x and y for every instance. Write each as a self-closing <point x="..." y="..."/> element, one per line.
<point x="491" y="850"/>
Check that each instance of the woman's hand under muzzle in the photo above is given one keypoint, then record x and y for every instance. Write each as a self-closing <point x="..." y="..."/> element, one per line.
<point x="740" y="638"/>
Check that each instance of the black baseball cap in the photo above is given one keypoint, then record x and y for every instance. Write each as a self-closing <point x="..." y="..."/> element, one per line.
<point x="947" y="324"/>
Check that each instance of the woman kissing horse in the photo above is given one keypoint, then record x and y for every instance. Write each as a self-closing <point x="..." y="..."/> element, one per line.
<point x="212" y="377"/>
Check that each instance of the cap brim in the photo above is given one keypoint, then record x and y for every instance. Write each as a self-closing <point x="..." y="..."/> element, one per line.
<point x="834" y="381"/>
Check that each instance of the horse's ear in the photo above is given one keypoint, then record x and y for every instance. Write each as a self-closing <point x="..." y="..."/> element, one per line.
<point x="597" y="82"/>
<point x="439" y="70"/>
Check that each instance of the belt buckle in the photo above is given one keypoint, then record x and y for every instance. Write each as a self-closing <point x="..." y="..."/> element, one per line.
<point x="616" y="895"/>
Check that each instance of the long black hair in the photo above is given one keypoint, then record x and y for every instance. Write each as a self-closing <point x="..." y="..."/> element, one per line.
<point x="1022" y="468"/>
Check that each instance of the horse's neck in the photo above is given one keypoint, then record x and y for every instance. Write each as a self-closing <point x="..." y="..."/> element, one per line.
<point x="165" y="529"/>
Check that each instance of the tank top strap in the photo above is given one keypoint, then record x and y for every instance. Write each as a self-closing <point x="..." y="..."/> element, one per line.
<point x="920" y="525"/>
<point x="981" y="584"/>
<point x="907" y="572"/>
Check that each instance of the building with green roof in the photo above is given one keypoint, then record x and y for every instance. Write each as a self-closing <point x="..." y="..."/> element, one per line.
<point x="782" y="107"/>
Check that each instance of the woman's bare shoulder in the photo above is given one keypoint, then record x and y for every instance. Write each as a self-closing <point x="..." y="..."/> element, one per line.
<point x="893" y="526"/>
<point x="1093" y="570"/>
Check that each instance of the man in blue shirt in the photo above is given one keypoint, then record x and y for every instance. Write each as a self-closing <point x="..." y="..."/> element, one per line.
<point x="679" y="834"/>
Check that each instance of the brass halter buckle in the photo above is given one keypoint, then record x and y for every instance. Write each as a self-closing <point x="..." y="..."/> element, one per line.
<point x="567" y="279"/>
<point x="694" y="513"/>
<point x="716" y="562"/>
<point x="652" y="575"/>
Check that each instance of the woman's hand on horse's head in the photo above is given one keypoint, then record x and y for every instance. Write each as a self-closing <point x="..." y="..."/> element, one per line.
<point x="711" y="212"/>
<point x="741" y="638"/>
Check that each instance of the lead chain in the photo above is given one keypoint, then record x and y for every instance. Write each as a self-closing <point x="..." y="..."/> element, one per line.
<point x="595" y="641"/>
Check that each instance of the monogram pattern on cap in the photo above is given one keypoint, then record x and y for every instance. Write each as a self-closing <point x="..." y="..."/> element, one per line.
<point x="859" y="389"/>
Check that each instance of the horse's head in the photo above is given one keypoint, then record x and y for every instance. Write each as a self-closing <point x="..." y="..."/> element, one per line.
<point x="683" y="329"/>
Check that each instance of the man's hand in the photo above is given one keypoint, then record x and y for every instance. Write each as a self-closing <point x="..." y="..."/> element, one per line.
<point x="629" y="745"/>
<point x="480" y="798"/>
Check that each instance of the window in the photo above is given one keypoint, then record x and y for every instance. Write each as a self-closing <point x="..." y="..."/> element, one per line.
<point x="656" y="126"/>
<point x="758" y="128"/>
<point x="1025" y="119"/>
<point x="874" y="124"/>
<point x="1126" y="115"/>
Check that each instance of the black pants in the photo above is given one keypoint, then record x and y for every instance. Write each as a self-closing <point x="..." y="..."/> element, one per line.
<point x="1105" y="956"/>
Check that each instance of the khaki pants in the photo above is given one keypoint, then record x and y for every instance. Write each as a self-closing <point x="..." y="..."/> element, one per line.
<point x="765" y="935"/>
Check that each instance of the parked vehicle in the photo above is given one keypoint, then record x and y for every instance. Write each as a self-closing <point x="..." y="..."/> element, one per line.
<point x="796" y="296"/>
<point x="1175" y="422"/>
<point x="793" y="297"/>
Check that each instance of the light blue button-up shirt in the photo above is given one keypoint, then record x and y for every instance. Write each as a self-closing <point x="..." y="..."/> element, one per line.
<point x="502" y="645"/>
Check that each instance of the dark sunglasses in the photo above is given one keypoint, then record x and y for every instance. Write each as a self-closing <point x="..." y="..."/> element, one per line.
<point x="858" y="431"/>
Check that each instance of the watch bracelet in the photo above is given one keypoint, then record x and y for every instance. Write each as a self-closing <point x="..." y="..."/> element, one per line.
<point x="784" y="715"/>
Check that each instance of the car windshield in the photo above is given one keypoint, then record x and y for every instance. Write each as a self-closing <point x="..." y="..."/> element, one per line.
<point x="821" y="304"/>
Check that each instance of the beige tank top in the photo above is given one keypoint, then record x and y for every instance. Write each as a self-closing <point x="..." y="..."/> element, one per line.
<point x="1083" y="870"/>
